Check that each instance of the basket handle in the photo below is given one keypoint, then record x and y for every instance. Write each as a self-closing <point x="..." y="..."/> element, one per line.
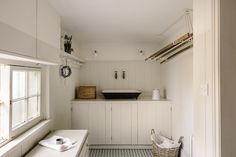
<point x="152" y="131"/>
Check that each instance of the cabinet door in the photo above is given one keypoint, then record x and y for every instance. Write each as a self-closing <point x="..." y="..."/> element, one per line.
<point x="90" y="116"/>
<point x="18" y="27"/>
<point x="48" y="32"/>
<point x="97" y="123"/>
<point x="153" y="115"/>
<point x="80" y="116"/>
<point x="121" y="123"/>
<point x="146" y="121"/>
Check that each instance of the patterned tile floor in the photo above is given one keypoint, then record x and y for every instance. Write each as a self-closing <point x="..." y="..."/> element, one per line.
<point x="120" y="153"/>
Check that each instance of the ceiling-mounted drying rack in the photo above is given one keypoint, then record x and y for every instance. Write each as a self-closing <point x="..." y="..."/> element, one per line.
<point x="170" y="51"/>
<point x="178" y="46"/>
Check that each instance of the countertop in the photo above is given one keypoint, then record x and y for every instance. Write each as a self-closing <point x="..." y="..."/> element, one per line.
<point x="78" y="135"/>
<point x="100" y="99"/>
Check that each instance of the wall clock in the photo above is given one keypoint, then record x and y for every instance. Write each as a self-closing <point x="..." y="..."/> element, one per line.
<point x="66" y="71"/>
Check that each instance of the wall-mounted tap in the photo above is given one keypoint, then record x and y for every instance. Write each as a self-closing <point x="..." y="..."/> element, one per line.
<point x="116" y="75"/>
<point x="123" y="74"/>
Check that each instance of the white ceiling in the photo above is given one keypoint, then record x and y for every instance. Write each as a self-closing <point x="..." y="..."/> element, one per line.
<point x="141" y="20"/>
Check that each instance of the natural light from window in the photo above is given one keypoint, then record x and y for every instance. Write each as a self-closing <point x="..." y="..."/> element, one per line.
<point x="20" y="100"/>
<point x="25" y="96"/>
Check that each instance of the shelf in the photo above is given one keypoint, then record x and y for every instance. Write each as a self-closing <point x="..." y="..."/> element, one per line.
<point x="71" y="57"/>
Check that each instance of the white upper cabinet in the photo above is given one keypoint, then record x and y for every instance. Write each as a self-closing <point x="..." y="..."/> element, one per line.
<point x="18" y="27"/>
<point x="48" y="32"/>
<point x="30" y="28"/>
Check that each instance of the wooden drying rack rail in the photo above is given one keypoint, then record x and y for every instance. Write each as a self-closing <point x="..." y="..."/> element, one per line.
<point x="170" y="51"/>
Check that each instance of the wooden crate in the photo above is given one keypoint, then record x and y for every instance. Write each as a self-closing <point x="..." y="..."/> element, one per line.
<point x="86" y="92"/>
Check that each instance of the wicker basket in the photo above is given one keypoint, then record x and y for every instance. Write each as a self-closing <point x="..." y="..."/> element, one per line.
<point x="86" y="92"/>
<point x="158" y="151"/>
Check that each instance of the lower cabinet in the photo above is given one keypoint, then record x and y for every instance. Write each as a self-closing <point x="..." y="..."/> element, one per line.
<point x="90" y="116"/>
<point x="121" y="123"/>
<point x="85" y="150"/>
<point x="97" y="123"/>
<point x="153" y="116"/>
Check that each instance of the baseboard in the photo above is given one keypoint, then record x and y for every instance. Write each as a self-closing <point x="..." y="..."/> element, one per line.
<point x="120" y="146"/>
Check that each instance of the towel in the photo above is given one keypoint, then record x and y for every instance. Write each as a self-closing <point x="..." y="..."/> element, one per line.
<point x="164" y="142"/>
<point x="167" y="143"/>
<point x="51" y="143"/>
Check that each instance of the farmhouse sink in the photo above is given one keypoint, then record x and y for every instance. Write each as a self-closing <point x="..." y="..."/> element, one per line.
<point x="121" y="94"/>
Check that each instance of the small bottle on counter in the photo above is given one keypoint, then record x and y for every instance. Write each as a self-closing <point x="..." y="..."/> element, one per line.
<point x="156" y="95"/>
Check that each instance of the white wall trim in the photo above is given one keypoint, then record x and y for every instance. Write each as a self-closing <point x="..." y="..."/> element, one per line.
<point x="216" y="49"/>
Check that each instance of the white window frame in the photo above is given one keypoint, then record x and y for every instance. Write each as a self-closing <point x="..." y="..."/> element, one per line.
<point x="5" y="99"/>
<point x="14" y="131"/>
<point x="9" y="131"/>
<point x="2" y="139"/>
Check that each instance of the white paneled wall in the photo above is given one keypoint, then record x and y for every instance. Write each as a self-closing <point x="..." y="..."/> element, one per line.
<point x="140" y="75"/>
<point x="177" y="81"/>
<point x="177" y="85"/>
<point x="62" y="91"/>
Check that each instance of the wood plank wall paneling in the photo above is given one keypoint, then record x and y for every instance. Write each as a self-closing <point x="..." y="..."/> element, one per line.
<point x="140" y="75"/>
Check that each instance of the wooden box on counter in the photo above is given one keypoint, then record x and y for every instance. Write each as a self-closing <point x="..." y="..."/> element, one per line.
<point x="86" y="92"/>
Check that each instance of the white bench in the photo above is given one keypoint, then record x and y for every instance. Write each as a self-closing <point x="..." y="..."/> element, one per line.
<point x="81" y="149"/>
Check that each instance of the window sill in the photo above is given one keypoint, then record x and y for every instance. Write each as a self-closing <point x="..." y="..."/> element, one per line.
<point x="20" y="129"/>
<point x="20" y="140"/>
<point x="3" y="142"/>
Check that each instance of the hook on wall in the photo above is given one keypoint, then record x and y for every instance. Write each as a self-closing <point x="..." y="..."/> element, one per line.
<point x="141" y="53"/>
<point x="123" y="74"/>
<point x="116" y="75"/>
<point x="95" y="53"/>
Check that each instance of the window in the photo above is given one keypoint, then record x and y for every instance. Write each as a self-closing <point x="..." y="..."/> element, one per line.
<point x="20" y="99"/>
<point x="25" y="95"/>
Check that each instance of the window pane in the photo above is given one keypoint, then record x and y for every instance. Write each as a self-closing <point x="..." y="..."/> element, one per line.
<point x="33" y="107"/>
<point x="18" y="84"/>
<point x="34" y="83"/>
<point x="18" y="110"/>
